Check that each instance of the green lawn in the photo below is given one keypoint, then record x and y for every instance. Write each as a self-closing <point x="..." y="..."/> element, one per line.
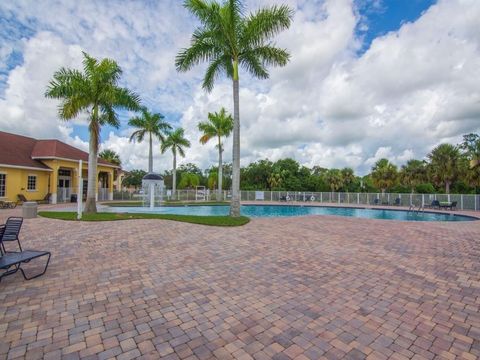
<point x="203" y="220"/>
<point x="167" y="203"/>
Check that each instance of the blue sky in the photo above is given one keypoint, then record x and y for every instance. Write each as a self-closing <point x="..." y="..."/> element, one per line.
<point x="367" y="78"/>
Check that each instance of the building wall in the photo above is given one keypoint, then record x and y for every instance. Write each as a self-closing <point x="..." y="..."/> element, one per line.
<point x="56" y="164"/>
<point x="47" y="181"/>
<point x="16" y="183"/>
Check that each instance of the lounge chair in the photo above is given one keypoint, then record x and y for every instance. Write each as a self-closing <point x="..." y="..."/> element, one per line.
<point x="15" y="259"/>
<point x="376" y="201"/>
<point x="434" y="205"/>
<point x="397" y="202"/>
<point x="10" y="232"/>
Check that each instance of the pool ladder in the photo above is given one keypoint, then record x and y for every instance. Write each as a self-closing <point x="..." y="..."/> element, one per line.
<point x="412" y="208"/>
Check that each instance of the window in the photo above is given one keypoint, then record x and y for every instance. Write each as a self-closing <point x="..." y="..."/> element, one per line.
<point x="63" y="172"/>
<point x="3" y="184"/>
<point x="32" y="183"/>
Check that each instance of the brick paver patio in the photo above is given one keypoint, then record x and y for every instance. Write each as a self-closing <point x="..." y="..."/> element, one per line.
<point x="292" y="288"/>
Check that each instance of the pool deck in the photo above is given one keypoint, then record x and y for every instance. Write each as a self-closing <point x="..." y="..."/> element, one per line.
<point x="313" y="287"/>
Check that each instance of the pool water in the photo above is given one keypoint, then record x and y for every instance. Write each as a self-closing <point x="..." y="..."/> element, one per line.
<point x="290" y="210"/>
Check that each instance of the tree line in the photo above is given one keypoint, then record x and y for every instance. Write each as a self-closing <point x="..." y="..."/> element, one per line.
<point x="447" y="168"/>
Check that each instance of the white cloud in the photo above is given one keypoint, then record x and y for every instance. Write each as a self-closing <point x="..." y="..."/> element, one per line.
<point x="411" y="90"/>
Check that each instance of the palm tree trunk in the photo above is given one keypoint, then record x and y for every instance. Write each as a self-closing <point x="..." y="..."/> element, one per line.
<point x="174" y="178"/>
<point x="150" y="156"/>
<point x="220" y="170"/>
<point x="447" y="187"/>
<point x="90" y="204"/>
<point x="235" y="204"/>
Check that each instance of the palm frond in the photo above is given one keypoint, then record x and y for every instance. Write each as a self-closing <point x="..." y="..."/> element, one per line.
<point x="264" y="24"/>
<point x="215" y="69"/>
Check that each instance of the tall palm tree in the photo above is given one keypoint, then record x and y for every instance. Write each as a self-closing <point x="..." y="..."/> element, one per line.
<point x="96" y="92"/>
<point x="177" y="142"/>
<point x="384" y="174"/>
<point x="444" y="166"/>
<point x="218" y="125"/>
<point x="110" y="156"/>
<point x="226" y="40"/>
<point x="152" y="124"/>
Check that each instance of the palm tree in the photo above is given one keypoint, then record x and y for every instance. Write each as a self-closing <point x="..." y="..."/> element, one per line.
<point x="226" y="40"/>
<point x="444" y="165"/>
<point x="113" y="158"/>
<point x="218" y="125"/>
<point x="348" y="177"/>
<point x="151" y="124"/>
<point x="334" y="178"/>
<point x="96" y="92"/>
<point x="413" y="173"/>
<point x="175" y="141"/>
<point x="384" y="174"/>
<point x="110" y="156"/>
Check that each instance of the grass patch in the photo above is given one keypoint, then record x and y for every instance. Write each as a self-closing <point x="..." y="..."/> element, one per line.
<point x="166" y="203"/>
<point x="202" y="220"/>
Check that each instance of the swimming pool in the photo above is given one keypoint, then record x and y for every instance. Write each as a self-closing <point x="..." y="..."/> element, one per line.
<point x="295" y="210"/>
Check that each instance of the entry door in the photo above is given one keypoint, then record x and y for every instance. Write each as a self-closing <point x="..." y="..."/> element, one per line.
<point x="63" y="189"/>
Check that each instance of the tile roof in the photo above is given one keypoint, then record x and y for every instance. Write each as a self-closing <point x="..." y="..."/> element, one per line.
<point x="16" y="150"/>
<point x="20" y="150"/>
<point x="55" y="148"/>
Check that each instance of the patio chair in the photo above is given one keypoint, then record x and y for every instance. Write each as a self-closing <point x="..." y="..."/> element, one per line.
<point x="15" y="259"/>
<point x="452" y="206"/>
<point x="376" y="201"/>
<point x="435" y="204"/>
<point x="11" y="231"/>
<point x="397" y="202"/>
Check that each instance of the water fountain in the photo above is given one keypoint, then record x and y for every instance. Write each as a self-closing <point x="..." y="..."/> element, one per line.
<point x="152" y="185"/>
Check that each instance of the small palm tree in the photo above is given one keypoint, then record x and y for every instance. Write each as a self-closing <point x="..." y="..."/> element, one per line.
<point x="113" y="158"/>
<point x="227" y="40"/>
<point x="413" y="173"/>
<point x="110" y="156"/>
<point x="177" y="142"/>
<point x="151" y="124"/>
<point x="96" y="92"/>
<point x="218" y="125"/>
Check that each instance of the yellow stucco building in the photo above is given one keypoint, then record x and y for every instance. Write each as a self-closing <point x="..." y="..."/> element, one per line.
<point x="47" y="170"/>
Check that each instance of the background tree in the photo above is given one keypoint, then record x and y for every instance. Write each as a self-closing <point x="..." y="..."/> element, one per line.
<point x="333" y="178"/>
<point x="96" y="92"/>
<point x="113" y="158"/>
<point x="348" y="178"/>
<point x="110" y="156"/>
<point x="176" y="142"/>
<point x="218" y="125"/>
<point x="226" y="40"/>
<point x="189" y="181"/>
<point x="413" y="173"/>
<point x="152" y="124"/>
<point x="444" y="166"/>
<point x="134" y="178"/>
<point x="384" y="174"/>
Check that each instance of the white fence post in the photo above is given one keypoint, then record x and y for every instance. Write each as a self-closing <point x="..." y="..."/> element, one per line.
<point x="461" y="201"/>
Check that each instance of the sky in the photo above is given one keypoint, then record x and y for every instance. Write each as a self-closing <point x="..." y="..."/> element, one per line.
<point x="367" y="78"/>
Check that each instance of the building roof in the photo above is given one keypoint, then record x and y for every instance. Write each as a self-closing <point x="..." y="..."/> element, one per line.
<point x="17" y="150"/>
<point x="47" y="149"/>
